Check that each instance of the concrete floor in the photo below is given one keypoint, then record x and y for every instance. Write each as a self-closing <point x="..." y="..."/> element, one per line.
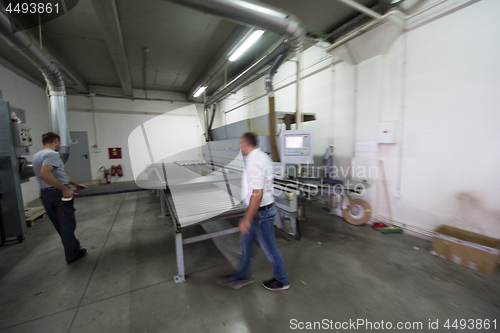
<point x="337" y="272"/>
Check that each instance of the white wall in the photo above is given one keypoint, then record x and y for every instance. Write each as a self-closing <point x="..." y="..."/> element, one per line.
<point x="439" y="81"/>
<point x="115" y="119"/>
<point x="25" y="95"/>
<point x="451" y="122"/>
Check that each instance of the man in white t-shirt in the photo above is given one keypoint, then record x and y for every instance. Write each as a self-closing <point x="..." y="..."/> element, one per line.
<point x="258" y="221"/>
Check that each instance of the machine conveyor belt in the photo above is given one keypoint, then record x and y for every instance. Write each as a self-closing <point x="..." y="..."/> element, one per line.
<point x="193" y="205"/>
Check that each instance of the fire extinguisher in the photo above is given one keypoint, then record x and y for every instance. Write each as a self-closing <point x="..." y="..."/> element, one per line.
<point x="108" y="178"/>
<point x="106" y="174"/>
<point x="119" y="170"/>
<point x="113" y="170"/>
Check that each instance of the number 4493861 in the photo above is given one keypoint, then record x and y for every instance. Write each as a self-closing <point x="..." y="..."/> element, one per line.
<point x="471" y="324"/>
<point x="32" y="8"/>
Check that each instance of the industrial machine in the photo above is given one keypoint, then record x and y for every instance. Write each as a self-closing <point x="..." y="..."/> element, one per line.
<point x="15" y="140"/>
<point x="199" y="191"/>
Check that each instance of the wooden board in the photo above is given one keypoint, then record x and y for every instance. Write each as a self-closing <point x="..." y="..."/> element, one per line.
<point x="33" y="215"/>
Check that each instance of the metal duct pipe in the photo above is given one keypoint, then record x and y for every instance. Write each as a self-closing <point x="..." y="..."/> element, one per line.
<point x="249" y="72"/>
<point x="254" y="14"/>
<point x="270" y="94"/>
<point x="214" y="107"/>
<point x="272" y="70"/>
<point x="57" y="91"/>
<point x="281" y="49"/>
<point x="264" y="17"/>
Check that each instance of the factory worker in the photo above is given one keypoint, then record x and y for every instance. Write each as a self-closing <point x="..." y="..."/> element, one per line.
<point x="56" y="195"/>
<point x="258" y="221"/>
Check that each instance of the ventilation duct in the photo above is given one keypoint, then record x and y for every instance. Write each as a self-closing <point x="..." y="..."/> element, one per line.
<point x="264" y="17"/>
<point x="254" y="14"/>
<point x="270" y="94"/>
<point x="57" y="91"/>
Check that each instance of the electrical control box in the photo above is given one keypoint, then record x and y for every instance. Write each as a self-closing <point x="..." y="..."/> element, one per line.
<point x="22" y="135"/>
<point x="296" y="147"/>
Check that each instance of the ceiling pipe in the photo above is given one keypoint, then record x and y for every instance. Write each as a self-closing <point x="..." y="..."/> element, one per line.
<point x="264" y="17"/>
<point x="214" y="107"/>
<point x="270" y="94"/>
<point x="255" y="14"/>
<point x="57" y="91"/>
<point x="249" y="72"/>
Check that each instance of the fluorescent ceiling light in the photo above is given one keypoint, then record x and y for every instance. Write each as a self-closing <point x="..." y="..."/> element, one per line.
<point x="250" y="40"/>
<point x="199" y="91"/>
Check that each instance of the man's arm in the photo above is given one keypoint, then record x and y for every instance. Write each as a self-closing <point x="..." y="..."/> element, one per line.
<point x="74" y="182"/>
<point x="47" y="176"/>
<point x="252" y="209"/>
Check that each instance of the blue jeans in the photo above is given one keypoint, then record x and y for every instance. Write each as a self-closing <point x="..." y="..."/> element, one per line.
<point x="262" y="227"/>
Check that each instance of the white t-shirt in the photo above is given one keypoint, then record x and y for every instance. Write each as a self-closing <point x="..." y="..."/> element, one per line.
<point x="258" y="175"/>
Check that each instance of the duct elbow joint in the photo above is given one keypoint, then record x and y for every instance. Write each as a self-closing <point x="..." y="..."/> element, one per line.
<point x="296" y="33"/>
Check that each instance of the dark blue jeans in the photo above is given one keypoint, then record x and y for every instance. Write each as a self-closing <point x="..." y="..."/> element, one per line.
<point x="62" y="215"/>
<point x="262" y="227"/>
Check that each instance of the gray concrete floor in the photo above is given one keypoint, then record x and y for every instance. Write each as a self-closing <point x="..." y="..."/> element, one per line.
<point x="337" y="272"/>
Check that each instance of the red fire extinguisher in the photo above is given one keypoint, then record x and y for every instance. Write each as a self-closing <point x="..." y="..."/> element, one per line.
<point x="108" y="178"/>
<point x="113" y="170"/>
<point x="119" y="170"/>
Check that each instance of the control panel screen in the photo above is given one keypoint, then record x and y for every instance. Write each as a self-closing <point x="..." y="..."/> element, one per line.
<point x="294" y="142"/>
<point x="297" y="145"/>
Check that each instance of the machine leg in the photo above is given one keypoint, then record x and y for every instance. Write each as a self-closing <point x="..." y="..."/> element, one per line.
<point x="179" y="251"/>
<point x="162" y="203"/>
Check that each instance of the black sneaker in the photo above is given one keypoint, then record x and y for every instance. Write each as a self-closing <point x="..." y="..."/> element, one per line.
<point x="81" y="254"/>
<point x="228" y="281"/>
<point x="275" y="285"/>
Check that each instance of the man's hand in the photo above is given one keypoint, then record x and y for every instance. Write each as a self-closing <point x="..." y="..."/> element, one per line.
<point x="244" y="225"/>
<point x="67" y="193"/>
<point x="81" y="186"/>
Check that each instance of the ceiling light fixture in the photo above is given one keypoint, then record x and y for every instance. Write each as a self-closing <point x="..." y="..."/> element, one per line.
<point x="250" y="40"/>
<point x="199" y="91"/>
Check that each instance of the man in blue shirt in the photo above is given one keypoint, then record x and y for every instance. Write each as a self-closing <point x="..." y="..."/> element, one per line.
<point x="56" y="195"/>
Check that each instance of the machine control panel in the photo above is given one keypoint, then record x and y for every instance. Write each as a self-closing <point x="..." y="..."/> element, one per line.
<point x="22" y="135"/>
<point x="296" y="147"/>
<point x="297" y="144"/>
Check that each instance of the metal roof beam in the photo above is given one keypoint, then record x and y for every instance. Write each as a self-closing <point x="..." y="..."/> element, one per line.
<point x="107" y="15"/>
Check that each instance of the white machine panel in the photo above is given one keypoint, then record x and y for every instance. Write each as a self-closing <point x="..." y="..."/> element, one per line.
<point x="22" y="136"/>
<point x="296" y="147"/>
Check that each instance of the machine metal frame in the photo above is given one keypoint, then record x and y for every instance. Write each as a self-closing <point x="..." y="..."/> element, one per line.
<point x="167" y="200"/>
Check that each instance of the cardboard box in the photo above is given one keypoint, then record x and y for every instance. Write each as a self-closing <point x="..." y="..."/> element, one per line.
<point x="466" y="248"/>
